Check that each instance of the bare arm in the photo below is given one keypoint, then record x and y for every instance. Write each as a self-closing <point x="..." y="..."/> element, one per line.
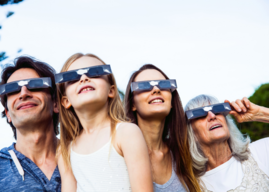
<point x="135" y="153"/>
<point x="69" y="183"/>
<point x="245" y="111"/>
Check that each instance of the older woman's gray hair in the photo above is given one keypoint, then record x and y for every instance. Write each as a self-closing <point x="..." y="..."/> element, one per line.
<point x="237" y="142"/>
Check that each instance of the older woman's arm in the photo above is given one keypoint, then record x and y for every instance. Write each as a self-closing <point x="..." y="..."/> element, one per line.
<point x="245" y="111"/>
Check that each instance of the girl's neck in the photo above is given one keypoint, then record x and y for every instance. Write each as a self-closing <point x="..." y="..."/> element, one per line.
<point x="93" y="120"/>
<point x="217" y="154"/>
<point x="152" y="131"/>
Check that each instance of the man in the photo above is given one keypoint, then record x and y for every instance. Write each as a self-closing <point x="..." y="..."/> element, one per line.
<point x="28" y="94"/>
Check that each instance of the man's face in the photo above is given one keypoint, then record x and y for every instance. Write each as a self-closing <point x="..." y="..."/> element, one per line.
<point x="29" y="107"/>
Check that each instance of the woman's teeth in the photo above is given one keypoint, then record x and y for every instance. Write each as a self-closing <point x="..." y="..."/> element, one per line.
<point x="156" y="101"/>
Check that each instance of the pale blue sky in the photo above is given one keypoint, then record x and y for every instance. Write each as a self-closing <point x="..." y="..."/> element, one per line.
<point x="213" y="47"/>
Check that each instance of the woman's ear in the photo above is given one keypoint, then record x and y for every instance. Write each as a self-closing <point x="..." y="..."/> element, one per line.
<point x="133" y="107"/>
<point x="65" y="102"/>
<point x="112" y="91"/>
<point x="55" y="107"/>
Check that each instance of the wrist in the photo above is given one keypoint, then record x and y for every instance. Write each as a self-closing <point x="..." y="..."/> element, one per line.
<point x="262" y="115"/>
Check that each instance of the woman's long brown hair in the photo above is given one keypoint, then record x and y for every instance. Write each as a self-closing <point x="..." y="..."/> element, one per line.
<point x="70" y="126"/>
<point x="174" y="134"/>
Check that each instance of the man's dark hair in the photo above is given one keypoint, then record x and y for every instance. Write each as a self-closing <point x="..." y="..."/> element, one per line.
<point x="43" y="70"/>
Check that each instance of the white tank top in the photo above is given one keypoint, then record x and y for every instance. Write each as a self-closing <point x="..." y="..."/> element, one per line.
<point x="100" y="170"/>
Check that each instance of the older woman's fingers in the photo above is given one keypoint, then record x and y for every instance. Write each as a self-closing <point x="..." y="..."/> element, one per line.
<point x="227" y="101"/>
<point x="241" y="105"/>
<point x="235" y="106"/>
<point x="236" y="115"/>
<point x="246" y="102"/>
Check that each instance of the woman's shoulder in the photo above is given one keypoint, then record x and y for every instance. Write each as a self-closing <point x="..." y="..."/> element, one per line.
<point x="127" y="128"/>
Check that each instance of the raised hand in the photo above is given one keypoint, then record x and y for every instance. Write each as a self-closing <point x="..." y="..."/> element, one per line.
<point x="244" y="111"/>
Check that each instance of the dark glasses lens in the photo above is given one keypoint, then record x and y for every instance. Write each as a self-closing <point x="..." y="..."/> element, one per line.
<point x="199" y="112"/>
<point x="218" y="109"/>
<point x="35" y="83"/>
<point x="11" y="87"/>
<point x="164" y="84"/>
<point x="144" y="85"/>
<point x="70" y="76"/>
<point x="96" y="71"/>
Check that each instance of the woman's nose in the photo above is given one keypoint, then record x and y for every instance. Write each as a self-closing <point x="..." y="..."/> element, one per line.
<point x="155" y="90"/>
<point x="210" y="116"/>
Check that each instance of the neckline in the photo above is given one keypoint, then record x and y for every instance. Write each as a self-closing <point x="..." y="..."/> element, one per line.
<point x="89" y="154"/>
<point x="162" y="186"/>
<point x="220" y="167"/>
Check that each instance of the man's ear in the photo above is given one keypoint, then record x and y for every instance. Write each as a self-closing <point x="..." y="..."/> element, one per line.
<point x="8" y="116"/>
<point x="112" y="91"/>
<point x="65" y="102"/>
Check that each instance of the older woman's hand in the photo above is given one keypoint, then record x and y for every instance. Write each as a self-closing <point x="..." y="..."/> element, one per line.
<point x="243" y="110"/>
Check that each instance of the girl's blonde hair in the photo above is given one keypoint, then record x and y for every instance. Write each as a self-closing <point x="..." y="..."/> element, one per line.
<point x="70" y="126"/>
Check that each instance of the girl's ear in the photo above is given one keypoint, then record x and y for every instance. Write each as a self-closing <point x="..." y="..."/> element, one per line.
<point x="65" y="102"/>
<point x="112" y="91"/>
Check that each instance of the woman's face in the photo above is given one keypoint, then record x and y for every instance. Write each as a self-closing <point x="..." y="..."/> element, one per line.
<point x="211" y="129"/>
<point x="155" y="103"/>
<point x="94" y="91"/>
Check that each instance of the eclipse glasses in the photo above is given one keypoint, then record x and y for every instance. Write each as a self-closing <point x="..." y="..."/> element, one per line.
<point x="223" y="108"/>
<point x="35" y="83"/>
<point x="148" y="85"/>
<point x="74" y="75"/>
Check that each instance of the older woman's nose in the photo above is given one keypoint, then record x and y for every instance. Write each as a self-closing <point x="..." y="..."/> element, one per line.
<point x="210" y="116"/>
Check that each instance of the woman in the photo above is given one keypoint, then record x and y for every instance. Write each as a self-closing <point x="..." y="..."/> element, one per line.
<point x="104" y="152"/>
<point x="157" y="110"/>
<point x="222" y="156"/>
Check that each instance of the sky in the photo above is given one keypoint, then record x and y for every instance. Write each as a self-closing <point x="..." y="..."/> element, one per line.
<point x="210" y="47"/>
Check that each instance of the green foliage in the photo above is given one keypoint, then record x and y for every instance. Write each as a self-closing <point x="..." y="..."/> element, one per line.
<point x="9" y="14"/>
<point x="257" y="130"/>
<point x="4" y="2"/>
<point x="3" y="55"/>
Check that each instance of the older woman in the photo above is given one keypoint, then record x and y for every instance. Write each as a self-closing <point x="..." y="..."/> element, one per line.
<point x="222" y="156"/>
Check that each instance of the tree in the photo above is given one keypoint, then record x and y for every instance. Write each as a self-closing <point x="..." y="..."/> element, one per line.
<point x="257" y="130"/>
<point x="3" y="55"/>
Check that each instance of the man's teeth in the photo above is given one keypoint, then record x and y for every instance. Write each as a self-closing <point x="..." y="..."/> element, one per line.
<point x="157" y="101"/>
<point x="86" y="89"/>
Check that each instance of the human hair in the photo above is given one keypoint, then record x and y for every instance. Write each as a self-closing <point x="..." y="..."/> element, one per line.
<point x="237" y="142"/>
<point x="43" y="70"/>
<point x="174" y="133"/>
<point x="70" y="126"/>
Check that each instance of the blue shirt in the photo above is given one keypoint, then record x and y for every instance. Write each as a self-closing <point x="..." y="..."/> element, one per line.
<point x="34" y="178"/>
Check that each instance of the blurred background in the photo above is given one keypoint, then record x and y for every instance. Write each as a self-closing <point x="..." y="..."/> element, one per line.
<point x="211" y="47"/>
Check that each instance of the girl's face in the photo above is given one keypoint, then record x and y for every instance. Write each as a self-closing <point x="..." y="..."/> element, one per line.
<point x="93" y="91"/>
<point x="155" y="103"/>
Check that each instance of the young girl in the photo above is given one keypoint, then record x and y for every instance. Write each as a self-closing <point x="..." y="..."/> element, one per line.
<point x="99" y="151"/>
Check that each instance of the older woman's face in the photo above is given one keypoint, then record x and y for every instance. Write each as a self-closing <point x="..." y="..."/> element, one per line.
<point x="155" y="103"/>
<point x="211" y="129"/>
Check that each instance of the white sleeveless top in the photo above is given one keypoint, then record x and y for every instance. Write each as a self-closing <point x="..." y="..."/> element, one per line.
<point x="103" y="170"/>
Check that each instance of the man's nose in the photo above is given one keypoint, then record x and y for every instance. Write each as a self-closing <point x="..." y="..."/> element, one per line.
<point x="25" y="93"/>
